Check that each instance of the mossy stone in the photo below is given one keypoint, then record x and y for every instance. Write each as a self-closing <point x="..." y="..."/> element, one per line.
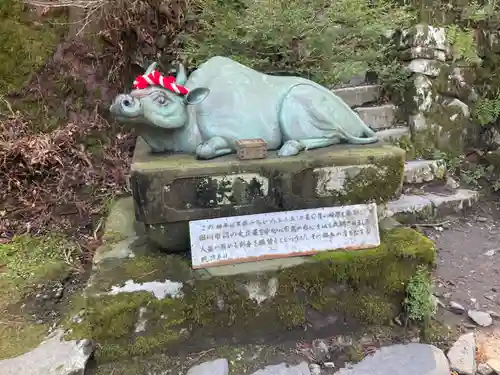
<point x="25" y="44"/>
<point x="345" y="282"/>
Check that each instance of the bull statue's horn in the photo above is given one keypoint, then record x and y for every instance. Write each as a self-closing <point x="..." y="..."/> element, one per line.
<point x="181" y="76"/>
<point x="151" y="68"/>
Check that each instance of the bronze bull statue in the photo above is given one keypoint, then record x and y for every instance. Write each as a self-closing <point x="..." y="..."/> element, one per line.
<point x="225" y="101"/>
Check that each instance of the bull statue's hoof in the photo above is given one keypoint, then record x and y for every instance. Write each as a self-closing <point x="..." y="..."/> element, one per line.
<point x="290" y="148"/>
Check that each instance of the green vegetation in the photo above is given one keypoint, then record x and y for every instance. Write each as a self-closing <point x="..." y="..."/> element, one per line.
<point x="25" y="44"/>
<point x="418" y="303"/>
<point x="24" y="263"/>
<point x="323" y="40"/>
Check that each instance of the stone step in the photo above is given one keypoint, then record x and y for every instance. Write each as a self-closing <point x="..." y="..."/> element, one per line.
<point x="379" y="117"/>
<point x="394" y="134"/>
<point x="428" y="206"/>
<point x="422" y="171"/>
<point x="357" y="96"/>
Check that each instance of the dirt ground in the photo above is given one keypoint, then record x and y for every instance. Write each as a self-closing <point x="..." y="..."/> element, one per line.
<point x="468" y="265"/>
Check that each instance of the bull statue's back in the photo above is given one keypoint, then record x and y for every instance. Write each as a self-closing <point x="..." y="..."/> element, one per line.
<point x="230" y="102"/>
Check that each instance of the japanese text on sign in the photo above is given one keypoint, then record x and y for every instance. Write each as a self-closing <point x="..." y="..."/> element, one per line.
<point x="280" y="234"/>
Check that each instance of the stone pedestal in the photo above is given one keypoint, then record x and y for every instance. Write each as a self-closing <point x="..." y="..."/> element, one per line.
<point x="171" y="190"/>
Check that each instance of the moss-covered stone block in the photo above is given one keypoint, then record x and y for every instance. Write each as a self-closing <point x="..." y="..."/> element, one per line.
<point x="26" y="42"/>
<point x="366" y="287"/>
<point x="170" y="190"/>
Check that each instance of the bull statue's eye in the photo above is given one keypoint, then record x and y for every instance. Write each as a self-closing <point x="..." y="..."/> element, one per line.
<point x="161" y="99"/>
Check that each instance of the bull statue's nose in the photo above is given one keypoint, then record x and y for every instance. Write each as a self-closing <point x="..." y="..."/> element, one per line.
<point x="126" y="105"/>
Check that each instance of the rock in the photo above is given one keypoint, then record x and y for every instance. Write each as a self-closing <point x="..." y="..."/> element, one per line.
<point x="462" y="355"/>
<point x="451" y="184"/>
<point x="456" y="308"/>
<point x="419" y="359"/>
<point x="494" y="315"/>
<point x="423" y="53"/>
<point x="54" y="356"/>
<point x="329" y="365"/>
<point x="460" y="107"/>
<point x="283" y="369"/>
<point x="217" y="367"/>
<point x="491" y="297"/>
<point x="259" y="292"/>
<point x="315" y="369"/>
<point x="484" y="369"/>
<point x="430" y="68"/>
<point x="437" y="302"/>
<point x="423" y="35"/>
<point x="481" y="318"/>
<point x="320" y="350"/>
<point x="494" y="363"/>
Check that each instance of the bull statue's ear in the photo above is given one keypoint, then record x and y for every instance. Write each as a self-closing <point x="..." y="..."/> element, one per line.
<point x="196" y="95"/>
<point x="151" y="68"/>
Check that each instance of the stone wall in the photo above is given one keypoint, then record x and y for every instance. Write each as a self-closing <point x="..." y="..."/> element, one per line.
<point x="438" y="108"/>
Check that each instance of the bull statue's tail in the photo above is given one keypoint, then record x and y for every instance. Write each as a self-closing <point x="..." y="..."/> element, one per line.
<point x="324" y="121"/>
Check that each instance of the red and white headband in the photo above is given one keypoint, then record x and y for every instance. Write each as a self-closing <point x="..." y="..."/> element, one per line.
<point x="156" y="79"/>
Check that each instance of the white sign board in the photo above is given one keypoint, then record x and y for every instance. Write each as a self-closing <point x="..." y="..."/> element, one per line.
<point x="239" y="239"/>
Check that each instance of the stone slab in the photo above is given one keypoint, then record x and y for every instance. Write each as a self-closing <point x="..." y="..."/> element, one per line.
<point x="357" y="96"/>
<point x="170" y="190"/>
<point x="418" y="359"/>
<point x="413" y="208"/>
<point x="409" y="204"/>
<point x="239" y="239"/>
<point x="54" y="356"/>
<point x="381" y="117"/>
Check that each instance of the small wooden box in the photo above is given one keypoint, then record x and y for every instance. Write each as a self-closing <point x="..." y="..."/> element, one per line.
<point x="248" y="149"/>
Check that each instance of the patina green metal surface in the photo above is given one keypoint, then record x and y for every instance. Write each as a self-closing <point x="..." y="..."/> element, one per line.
<point x="228" y="102"/>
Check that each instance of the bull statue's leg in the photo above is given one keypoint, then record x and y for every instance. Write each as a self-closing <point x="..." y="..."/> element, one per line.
<point x="291" y="148"/>
<point x="216" y="146"/>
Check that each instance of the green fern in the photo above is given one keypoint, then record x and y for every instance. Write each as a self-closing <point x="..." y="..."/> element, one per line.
<point x="464" y="45"/>
<point x="487" y="110"/>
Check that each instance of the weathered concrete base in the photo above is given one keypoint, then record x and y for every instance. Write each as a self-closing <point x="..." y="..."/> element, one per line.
<point x="171" y="190"/>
